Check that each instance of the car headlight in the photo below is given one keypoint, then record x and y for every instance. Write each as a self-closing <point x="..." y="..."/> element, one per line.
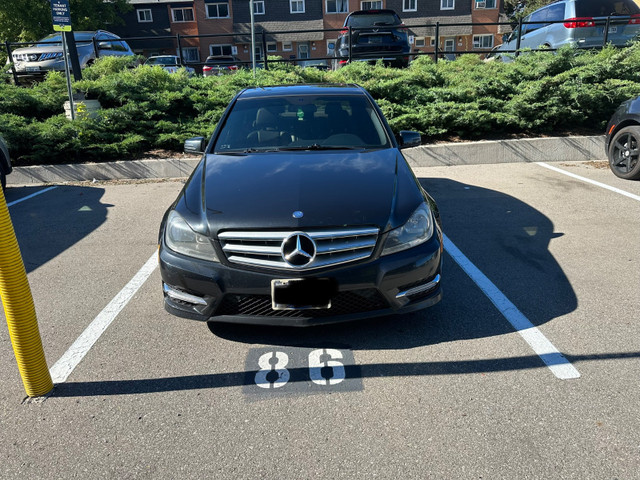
<point x="181" y="239"/>
<point x="418" y="229"/>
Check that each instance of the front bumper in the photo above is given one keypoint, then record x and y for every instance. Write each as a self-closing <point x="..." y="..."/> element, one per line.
<point x="399" y="283"/>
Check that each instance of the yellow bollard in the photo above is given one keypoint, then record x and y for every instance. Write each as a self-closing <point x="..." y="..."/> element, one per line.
<point x="20" y="310"/>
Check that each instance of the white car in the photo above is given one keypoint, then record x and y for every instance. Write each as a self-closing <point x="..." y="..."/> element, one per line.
<point x="170" y="63"/>
<point x="46" y="55"/>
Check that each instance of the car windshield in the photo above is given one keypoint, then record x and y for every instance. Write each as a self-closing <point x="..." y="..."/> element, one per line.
<point x="55" y="37"/>
<point x="304" y="122"/>
<point x="373" y="19"/>
<point x="162" y="61"/>
<point x="221" y="61"/>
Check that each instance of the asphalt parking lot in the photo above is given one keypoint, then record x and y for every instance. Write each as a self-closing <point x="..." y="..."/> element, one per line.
<point x="528" y="368"/>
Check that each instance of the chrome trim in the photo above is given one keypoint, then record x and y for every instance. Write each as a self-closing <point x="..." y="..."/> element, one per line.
<point x="326" y="234"/>
<point x="347" y="247"/>
<point x="333" y="247"/>
<point x="251" y="249"/>
<point x="281" y="265"/>
<point x="185" y="297"/>
<point x="420" y="288"/>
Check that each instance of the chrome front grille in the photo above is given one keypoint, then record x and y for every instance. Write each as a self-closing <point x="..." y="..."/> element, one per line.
<point x="333" y="247"/>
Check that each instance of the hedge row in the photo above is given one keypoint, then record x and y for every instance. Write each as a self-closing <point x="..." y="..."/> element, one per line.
<point x="147" y="108"/>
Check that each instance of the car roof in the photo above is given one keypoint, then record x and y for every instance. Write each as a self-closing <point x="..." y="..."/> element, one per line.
<point x="372" y="12"/>
<point x="306" y="89"/>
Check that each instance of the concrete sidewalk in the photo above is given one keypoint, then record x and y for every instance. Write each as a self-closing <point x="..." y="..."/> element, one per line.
<point x="463" y="153"/>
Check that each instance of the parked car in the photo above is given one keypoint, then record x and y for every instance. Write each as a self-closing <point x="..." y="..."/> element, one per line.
<point x="376" y="35"/>
<point x="170" y="63"/>
<point x="583" y="26"/>
<point x="302" y="211"/>
<point x="5" y="163"/>
<point x="221" y="65"/>
<point x="622" y="140"/>
<point x="315" y="63"/>
<point x="46" y="54"/>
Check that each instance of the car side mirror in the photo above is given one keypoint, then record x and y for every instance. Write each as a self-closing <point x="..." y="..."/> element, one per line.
<point x="194" y="145"/>
<point x="409" y="139"/>
<point x="105" y="46"/>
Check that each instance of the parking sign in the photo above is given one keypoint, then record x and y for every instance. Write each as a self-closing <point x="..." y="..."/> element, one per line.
<point x="61" y="15"/>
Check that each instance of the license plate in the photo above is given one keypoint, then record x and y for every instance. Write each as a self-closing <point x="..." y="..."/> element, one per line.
<point x="302" y="293"/>
<point x="32" y="69"/>
<point x="613" y="29"/>
<point x="375" y="40"/>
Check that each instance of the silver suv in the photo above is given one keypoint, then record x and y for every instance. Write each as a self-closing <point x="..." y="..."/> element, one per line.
<point x="583" y="26"/>
<point x="46" y="54"/>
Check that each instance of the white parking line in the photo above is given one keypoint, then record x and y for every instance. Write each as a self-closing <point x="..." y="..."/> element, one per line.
<point x="549" y="354"/>
<point x="30" y="196"/>
<point x="76" y="352"/>
<point x="588" y="180"/>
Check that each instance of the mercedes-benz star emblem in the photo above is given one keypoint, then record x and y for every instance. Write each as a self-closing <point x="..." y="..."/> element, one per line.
<point x="298" y="249"/>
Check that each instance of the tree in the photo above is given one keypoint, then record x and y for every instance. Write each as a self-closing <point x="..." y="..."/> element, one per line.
<point x="27" y="20"/>
<point x="521" y="8"/>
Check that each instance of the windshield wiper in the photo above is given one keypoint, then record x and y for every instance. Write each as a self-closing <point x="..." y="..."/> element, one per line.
<point x="317" y="146"/>
<point x="245" y="151"/>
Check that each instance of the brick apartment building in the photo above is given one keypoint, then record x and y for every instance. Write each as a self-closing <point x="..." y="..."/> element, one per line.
<point x="295" y="27"/>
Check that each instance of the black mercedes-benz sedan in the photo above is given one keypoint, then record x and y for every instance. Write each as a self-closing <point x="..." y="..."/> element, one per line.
<point x="302" y="211"/>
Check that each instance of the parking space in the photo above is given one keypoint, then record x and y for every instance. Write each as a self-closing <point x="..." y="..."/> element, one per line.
<point x="454" y="391"/>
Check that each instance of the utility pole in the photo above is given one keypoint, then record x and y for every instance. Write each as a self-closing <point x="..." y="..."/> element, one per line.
<point x="253" y="39"/>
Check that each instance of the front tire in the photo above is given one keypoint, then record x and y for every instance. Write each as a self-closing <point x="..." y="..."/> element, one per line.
<point x="624" y="153"/>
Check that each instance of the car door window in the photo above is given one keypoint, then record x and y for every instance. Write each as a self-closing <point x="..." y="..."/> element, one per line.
<point x="555" y="13"/>
<point x="537" y="20"/>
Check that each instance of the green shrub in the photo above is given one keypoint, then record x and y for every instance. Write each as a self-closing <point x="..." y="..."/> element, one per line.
<point x="147" y="108"/>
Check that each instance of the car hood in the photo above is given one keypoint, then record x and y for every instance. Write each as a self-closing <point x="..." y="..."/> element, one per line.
<point x="331" y="189"/>
<point x="49" y="48"/>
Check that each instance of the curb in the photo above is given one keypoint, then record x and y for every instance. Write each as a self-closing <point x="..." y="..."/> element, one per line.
<point x="554" y="149"/>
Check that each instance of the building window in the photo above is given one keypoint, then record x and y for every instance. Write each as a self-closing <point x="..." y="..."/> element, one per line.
<point x="287" y="46"/>
<point x="182" y="14"/>
<point x="220" y="50"/>
<point x="258" y="7"/>
<point x="337" y="6"/>
<point x="447" y="4"/>
<point x="296" y="6"/>
<point x="258" y="53"/>
<point x="409" y="5"/>
<point x="420" y="42"/>
<point x="483" y="41"/>
<point x="144" y="15"/>
<point x="433" y="42"/>
<point x="217" y="10"/>
<point x="272" y="47"/>
<point x="190" y="54"/>
<point x="485" y="3"/>
<point x="375" y="5"/>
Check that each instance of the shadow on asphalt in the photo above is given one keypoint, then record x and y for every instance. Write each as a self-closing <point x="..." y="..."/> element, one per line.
<point x="50" y="223"/>
<point x="245" y="378"/>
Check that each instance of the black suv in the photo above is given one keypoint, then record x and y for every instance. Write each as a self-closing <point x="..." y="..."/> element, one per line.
<point x="376" y="35"/>
<point x="221" y="65"/>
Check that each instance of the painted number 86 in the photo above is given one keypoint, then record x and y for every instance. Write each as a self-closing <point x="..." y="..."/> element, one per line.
<point x="325" y="368"/>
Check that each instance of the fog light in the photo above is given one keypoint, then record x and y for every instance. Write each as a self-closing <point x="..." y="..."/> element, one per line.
<point x="182" y="296"/>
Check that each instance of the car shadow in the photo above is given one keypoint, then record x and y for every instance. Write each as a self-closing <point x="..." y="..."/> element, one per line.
<point x="507" y="239"/>
<point x="49" y="224"/>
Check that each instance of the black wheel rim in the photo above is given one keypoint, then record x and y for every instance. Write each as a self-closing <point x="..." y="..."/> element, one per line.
<point x="625" y="153"/>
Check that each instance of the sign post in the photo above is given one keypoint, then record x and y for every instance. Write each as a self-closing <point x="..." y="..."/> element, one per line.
<point x="61" y="16"/>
